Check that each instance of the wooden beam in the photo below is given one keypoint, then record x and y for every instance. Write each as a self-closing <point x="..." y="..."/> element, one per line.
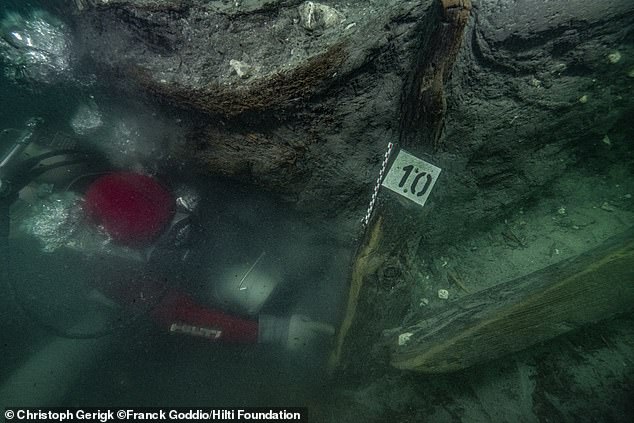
<point x="522" y="312"/>
<point x="425" y="104"/>
<point x="366" y="262"/>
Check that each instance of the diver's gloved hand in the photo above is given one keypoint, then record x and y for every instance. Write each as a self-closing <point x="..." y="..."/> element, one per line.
<point x="295" y="332"/>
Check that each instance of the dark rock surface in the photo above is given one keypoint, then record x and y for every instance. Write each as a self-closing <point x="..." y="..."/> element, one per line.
<point x="313" y="121"/>
<point x="515" y="117"/>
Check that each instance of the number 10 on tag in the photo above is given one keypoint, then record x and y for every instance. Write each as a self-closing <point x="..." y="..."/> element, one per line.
<point x="411" y="177"/>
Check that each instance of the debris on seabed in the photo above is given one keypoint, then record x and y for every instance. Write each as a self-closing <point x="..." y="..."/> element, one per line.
<point x="614" y="57"/>
<point x="404" y="338"/>
<point x="317" y="16"/>
<point x="243" y="70"/>
<point x="608" y="207"/>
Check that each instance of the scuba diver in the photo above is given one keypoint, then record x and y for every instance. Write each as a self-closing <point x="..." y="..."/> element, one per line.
<point x="123" y="213"/>
<point x="120" y="245"/>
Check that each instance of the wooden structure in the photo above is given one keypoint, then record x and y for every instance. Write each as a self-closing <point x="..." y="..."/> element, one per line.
<point x="496" y="321"/>
<point x="522" y="312"/>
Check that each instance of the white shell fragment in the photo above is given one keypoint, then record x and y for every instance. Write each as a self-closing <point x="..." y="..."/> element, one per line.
<point x="443" y="294"/>
<point x="614" y="57"/>
<point x="315" y="15"/>
<point x="608" y="207"/>
<point x="243" y="70"/>
<point x="404" y="338"/>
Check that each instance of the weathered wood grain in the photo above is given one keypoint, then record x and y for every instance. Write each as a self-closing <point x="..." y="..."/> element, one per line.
<point x="525" y="311"/>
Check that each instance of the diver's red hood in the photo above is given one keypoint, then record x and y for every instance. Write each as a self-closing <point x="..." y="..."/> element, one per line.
<point x="134" y="209"/>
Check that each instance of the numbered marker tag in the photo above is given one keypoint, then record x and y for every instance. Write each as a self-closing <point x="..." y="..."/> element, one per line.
<point x="411" y="177"/>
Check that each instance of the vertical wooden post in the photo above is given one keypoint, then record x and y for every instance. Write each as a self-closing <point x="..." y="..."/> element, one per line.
<point x="424" y="102"/>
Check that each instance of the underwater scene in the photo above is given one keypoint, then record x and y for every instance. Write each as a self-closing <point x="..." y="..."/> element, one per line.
<point x="335" y="211"/>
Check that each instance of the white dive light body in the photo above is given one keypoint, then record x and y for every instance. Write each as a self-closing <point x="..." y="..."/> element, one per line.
<point x="245" y="287"/>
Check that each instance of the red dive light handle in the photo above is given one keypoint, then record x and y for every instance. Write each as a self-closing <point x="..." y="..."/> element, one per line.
<point x="179" y="313"/>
